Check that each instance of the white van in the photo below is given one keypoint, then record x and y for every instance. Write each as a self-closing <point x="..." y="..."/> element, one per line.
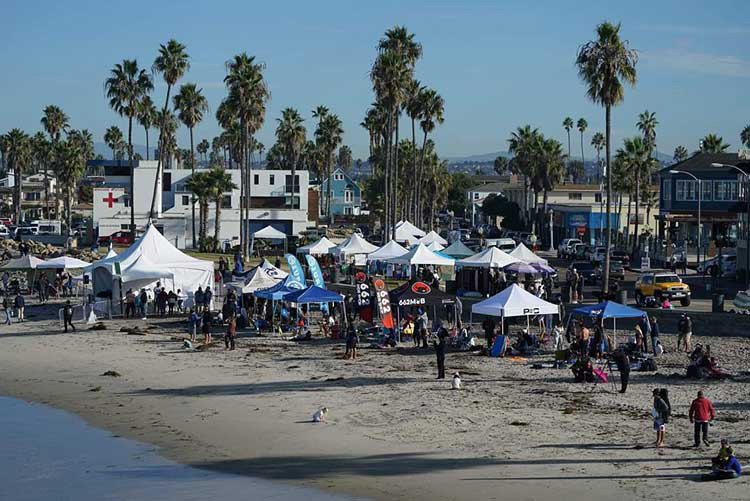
<point x="504" y="244"/>
<point x="47" y="227"/>
<point x="4" y="233"/>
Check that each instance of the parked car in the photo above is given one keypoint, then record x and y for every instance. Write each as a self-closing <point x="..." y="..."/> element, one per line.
<point x="504" y="244"/>
<point x="522" y="237"/>
<point x="566" y="246"/>
<point x="622" y="256"/>
<point x="728" y="264"/>
<point x="586" y="270"/>
<point x="579" y="252"/>
<point x="117" y="238"/>
<point x="616" y="270"/>
<point x="4" y="233"/>
<point x="661" y="285"/>
<point x="23" y="231"/>
<point x="597" y="255"/>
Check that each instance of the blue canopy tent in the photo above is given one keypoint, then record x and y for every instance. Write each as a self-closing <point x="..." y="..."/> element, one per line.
<point x="608" y="309"/>
<point x="277" y="293"/>
<point x="313" y="294"/>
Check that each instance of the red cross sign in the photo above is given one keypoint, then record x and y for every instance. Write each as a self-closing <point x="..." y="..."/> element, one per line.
<point x="110" y="199"/>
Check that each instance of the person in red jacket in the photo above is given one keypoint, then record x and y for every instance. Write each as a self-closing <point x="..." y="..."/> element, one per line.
<point x="701" y="412"/>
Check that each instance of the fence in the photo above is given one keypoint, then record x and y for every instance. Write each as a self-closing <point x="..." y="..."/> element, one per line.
<point x="81" y="312"/>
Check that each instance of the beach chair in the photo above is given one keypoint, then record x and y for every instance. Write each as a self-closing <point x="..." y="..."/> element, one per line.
<point x="499" y="347"/>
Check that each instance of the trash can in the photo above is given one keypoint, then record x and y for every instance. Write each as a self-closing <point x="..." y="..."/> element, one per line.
<point x="717" y="303"/>
<point x="622" y="296"/>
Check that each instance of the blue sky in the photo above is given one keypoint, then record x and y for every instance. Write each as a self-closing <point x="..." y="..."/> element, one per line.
<point x="498" y="64"/>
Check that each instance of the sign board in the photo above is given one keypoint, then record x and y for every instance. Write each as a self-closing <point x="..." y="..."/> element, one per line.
<point x="384" y="303"/>
<point x="743" y="154"/>
<point x="645" y="263"/>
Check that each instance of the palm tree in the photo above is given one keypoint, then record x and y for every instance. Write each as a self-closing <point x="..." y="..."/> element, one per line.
<point x="41" y="150"/>
<point x="18" y="148"/>
<point x="113" y="138"/>
<point x="635" y="155"/>
<point x="172" y="63"/>
<point x="745" y="136"/>
<point x="320" y="113"/>
<point x="200" y="185"/>
<point x="344" y="159"/>
<point x="202" y="148"/>
<point x="146" y="115"/>
<point x="432" y="108"/>
<point x="125" y="89"/>
<point x="680" y="154"/>
<point x="500" y="165"/>
<point x="55" y="122"/>
<point x="414" y="111"/>
<point x="524" y="145"/>
<point x="582" y="125"/>
<point x="291" y="134"/>
<point x="713" y="144"/>
<point x="220" y="182"/>
<point x="567" y="125"/>
<point x="602" y="65"/>
<point x="166" y="122"/>
<point x="329" y="136"/>
<point x="190" y="105"/>
<point x="73" y="154"/>
<point x="597" y="141"/>
<point x="647" y="123"/>
<point x="552" y="160"/>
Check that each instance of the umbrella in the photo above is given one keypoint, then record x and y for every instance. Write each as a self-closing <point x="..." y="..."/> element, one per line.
<point x="520" y="267"/>
<point x="544" y="268"/>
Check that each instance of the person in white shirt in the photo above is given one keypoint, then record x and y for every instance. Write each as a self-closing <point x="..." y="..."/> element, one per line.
<point x="320" y="415"/>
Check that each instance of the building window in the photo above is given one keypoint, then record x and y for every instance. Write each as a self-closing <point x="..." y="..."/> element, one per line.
<point x="348" y="211"/>
<point x="726" y="191"/>
<point x="476" y="196"/>
<point x="288" y="184"/>
<point x="574" y="196"/>
<point x="687" y="191"/>
<point x="707" y="191"/>
<point x="256" y="179"/>
<point x="597" y="197"/>
<point x="124" y="226"/>
<point x="348" y="196"/>
<point x="32" y="196"/>
<point x="185" y="199"/>
<point x="126" y="201"/>
<point x="271" y="179"/>
<point x="666" y="190"/>
<point x="338" y="177"/>
<point x="166" y="181"/>
<point x="226" y="202"/>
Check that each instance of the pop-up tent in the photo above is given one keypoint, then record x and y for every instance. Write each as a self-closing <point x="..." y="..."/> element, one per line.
<point x="150" y="259"/>
<point x="258" y="278"/>
<point x="432" y="236"/>
<point x="420" y="294"/>
<point x="322" y="246"/>
<point x="268" y="233"/>
<point x="408" y="228"/>
<point x="514" y="301"/>
<point x="390" y="250"/>
<point x="435" y="246"/>
<point x="458" y="250"/>
<point x="353" y="246"/>
<point x="421" y="255"/>
<point x="608" y="309"/>
<point x="27" y="262"/>
<point x="526" y="255"/>
<point x="313" y="294"/>
<point x="64" y="263"/>
<point x="491" y="257"/>
<point x="272" y="271"/>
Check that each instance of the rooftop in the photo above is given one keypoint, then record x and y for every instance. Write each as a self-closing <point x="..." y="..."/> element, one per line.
<point x="704" y="161"/>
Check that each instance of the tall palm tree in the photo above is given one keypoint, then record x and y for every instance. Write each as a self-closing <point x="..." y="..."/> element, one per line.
<point x="647" y="123"/>
<point x="55" y="122"/>
<point x="190" y="105"/>
<point x="552" y="160"/>
<point x="146" y="116"/>
<point x="745" y="136"/>
<point x="125" y="89"/>
<point x="582" y="125"/>
<point x="500" y="165"/>
<point x="603" y="64"/>
<point x="202" y="148"/>
<point x="73" y="155"/>
<point x="220" y="182"/>
<point x="597" y="141"/>
<point x="344" y="159"/>
<point x="712" y="143"/>
<point x="568" y="125"/>
<point x="635" y="155"/>
<point x="523" y="144"/>
<point x="201" y="186"/>
<point x="680" y="154"/>
<point x="414" y="112"/>
<point x="329" y="136"/>
<point x="172" y="63"/>
<point x="432" y="108"/>
<point x="291" y="134"/>
<point x="41" y="152"/>
<point x="18" y="147"/>
<point x="320" y="113"/>
<point x="113" y="138"/>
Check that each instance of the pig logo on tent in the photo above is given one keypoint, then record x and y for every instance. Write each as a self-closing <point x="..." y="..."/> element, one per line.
<point x="420" y="288"/>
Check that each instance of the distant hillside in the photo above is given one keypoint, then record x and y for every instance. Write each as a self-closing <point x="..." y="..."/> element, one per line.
<point x="103" y="150"/>
<point x="485" y="157"/>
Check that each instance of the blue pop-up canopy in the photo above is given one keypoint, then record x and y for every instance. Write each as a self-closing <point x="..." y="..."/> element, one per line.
<point x="313" y="294"/>
<point x="608" y="309"/>
<point x="275" y="293"/>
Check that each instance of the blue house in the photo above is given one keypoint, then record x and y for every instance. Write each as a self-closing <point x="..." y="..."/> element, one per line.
<point x="346" y="195"/>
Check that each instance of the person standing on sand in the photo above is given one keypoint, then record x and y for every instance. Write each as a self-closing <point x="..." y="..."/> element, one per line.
<point x="194" y="320"/>
<point x="68" y="316"/>
<point x="655" y="331"/>
<point x="701" y="413"/>
<point x="684" y="332"/>
<point x="231" y="333"/>
<point x="20" y="305"/>
<point x="6" y="308"/>
<point x="130" y="304"/>
<point x="440" y="352"/>
<point x="489" y="332"/>
<point x="646" y="330"/>
<point x="660" y="413"/>
<point x="206" y="327"/>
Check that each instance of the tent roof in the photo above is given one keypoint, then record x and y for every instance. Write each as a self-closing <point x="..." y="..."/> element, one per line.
<point x="270" y="232"/>
<point x="514" y="301"/>
<point x="388" y="251"/>
<point x="526" y="255"/>
<point x="64" y="262"/>
<point x="111" y="253"/>
<point x="272" y="271"/>
<point x="409" y="229"/>
<point x="322" y="246"/>
<point x="27" y="262"/>
<point x="313" y="294"/>
<point x="608" y="309"/>
<point x="420" y="294"/>
<point x="432" y="236"/>
<point x="276" y="293"/>
<point x="492" y="257"/>
<point x="355" y="244"/>
<point x="422" y="255"/>
<point x="436" y="246"/>
<point x="258" y="278"/>
<point x="145" y="270"/>
<point x="458" y="250"/>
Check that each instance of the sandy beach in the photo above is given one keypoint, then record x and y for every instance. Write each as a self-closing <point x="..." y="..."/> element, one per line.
<point x="394" y="432"/>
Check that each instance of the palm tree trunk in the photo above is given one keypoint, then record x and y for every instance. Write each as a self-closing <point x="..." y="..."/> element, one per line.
<point x="217" y="223"/>
<point x="395" y="180"/>
<point x="192" y="173"/>
<point x="583" y="162"/>
<point x="387" y="181"/>
<point x="132" y="178"/>
<point x="46" y="192"/>
<point x="147" y="150"/>
<point x="608" y="120"/>
<point x="619" y="207"/>
<point x="420" y="176"/>
<point x="19" y="189"/>
<point x="413" y="191"/>
<point x="159" y="159"/>
<point x="544" y="212"/>
<point x="637" y="199"/>
<point x="329" y="187"/>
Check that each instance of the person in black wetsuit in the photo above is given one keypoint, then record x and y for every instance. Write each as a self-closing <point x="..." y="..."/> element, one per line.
<point x="440" y="352"/>
<point x="623" y="366"/>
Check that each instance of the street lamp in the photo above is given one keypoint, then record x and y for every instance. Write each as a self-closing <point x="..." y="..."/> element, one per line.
<point x="700" y="195"/>
<point x="747" y="222"/>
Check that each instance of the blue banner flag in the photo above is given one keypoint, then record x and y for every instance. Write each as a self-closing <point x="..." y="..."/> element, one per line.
<point x="315" y="273"/>
<point x="296" y="278"/>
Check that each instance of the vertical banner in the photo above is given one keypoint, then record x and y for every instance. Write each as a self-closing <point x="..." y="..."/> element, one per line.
<point x="296" y="278"/>
<point x="364" y="303"/>
<point x="315" y="273"/>
<point x="384" y="303"/>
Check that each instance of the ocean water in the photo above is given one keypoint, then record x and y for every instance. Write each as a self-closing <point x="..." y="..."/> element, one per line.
<point x="49" y="454"/>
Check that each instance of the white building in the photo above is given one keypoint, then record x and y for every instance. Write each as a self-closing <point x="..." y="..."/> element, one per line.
<point x="271" y="201"/>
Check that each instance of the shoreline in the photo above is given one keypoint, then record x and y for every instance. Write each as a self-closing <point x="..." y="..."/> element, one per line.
<point x="393" y="432"/>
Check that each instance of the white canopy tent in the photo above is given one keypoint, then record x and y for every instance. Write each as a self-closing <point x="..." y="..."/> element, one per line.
<point x="432" y="236"/>
<point x="355" y="245"/>
<point x="271" y="270"/>
<point x="258" y="278"/>
<point x="150" y="259"/>
<point x="268" y="233"/>
<point x="27" y="262"/>
<point x="526" y="255"/>
<point x="110" y="253"/>
<point x="421" y="255"/>
<point x="492" y="257"/>
<point x="514" y="301"/>
<point x="64" y="263"/>
<point x="322" y="246"/>
<point x="435" y="246"/>
<point x="409" y="228"/>
<point x="390" y="250"/>
<point x="458" y="250"/>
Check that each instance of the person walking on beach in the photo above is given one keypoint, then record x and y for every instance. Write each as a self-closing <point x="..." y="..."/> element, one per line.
<point x="6" y="308"/>
<point x="645" y="330"/>
<point x="143" y="301"/>
<point x="20" y="305"/>
<point x="655" y="331"/>
<point x="231" y="333"/>
<point x="68" y="316"/>
<point x="701" y="413"/>
<point x="684" y="332"/>
<point x="195" y="320"/>
<point x="660" y="413"/>
<point x="206" y="327"/>
<point x="130" y="304"/>
<point x="440" y="352"/>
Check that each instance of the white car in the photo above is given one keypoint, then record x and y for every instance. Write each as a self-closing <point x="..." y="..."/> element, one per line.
<point x="504" y="244"/>
<point x="728" y="264"/>
<point x="598" y="255"/>
<point x="566" y="246"/>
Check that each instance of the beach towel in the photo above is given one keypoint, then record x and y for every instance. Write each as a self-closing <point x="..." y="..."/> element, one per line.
<point x="498" y="349"/>
<point x="600" y="375"/>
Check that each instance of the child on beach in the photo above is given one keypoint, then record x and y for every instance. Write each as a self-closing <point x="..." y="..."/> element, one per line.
<point x="194" y="321"/>
<point x="320" y="415"/>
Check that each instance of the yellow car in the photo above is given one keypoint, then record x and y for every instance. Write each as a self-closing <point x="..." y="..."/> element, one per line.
<point x="660" y="286"/>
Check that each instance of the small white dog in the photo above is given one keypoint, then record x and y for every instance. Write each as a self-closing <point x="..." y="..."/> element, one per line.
<point x="456" y="383"/>
<point x="320" y="415"/>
